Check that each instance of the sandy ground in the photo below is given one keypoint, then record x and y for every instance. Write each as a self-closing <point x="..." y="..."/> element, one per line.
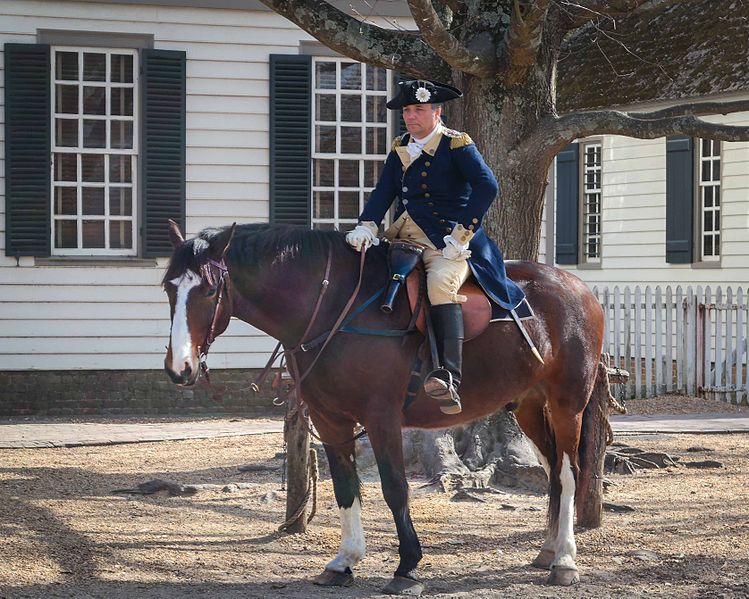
<point x="64" y="534"/>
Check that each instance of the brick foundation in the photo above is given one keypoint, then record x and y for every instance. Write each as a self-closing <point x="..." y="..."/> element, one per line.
<point x="81" y="392"/>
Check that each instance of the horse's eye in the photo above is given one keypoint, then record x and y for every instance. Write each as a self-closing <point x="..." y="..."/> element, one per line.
<point x="211" y="292"/>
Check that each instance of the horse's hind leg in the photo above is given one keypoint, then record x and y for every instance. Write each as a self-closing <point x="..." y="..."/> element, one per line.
<point x="384" y="431"/>
<point x="347" y="488"/>
<point x="532" y="420"/>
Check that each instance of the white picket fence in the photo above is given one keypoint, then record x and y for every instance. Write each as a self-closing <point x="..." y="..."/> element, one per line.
<point x="692" y="341"/>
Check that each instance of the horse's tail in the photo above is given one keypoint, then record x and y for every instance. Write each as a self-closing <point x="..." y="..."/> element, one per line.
<point x="595" y="435"/>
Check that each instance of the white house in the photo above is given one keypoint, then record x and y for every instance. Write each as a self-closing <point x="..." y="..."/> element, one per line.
<point x="119" y="115"/>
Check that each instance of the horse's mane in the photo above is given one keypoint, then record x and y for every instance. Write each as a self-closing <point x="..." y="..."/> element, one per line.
<point x="256" y="244"/>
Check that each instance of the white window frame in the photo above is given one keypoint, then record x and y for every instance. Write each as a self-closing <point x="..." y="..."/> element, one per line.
<point x="591" y="219"/>
<point x="338" y="222"/>
<point x="712" y="186"/>
<point x="79" y="184"/>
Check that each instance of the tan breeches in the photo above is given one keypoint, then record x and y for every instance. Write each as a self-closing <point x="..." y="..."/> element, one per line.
<point x="444" y="277"/>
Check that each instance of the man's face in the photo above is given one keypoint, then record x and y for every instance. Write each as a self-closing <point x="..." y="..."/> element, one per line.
<point x="420" y="119"/>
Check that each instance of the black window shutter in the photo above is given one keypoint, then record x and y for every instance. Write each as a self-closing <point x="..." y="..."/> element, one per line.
<point x="568" y="199"/>
<point x="27" y="150"/>
<point x="679" y="200"/>
<point x="163" y="147"/>
<point x="290" y="138"/>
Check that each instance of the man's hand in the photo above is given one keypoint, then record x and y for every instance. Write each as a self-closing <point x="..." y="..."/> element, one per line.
<point x="454" y="250"/>
<point x="362" y="237"/>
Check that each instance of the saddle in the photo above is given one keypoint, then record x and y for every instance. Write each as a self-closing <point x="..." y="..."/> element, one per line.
<point x="404" y="259"/>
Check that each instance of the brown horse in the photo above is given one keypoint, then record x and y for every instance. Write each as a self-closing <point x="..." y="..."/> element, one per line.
<point x="270" y="276"/>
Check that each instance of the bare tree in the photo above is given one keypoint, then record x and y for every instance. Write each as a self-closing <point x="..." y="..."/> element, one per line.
<point x="505" y="55"/>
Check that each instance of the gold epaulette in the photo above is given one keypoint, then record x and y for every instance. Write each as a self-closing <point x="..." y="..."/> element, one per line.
<point x="396" y="143"/>
<point x="459" y="140"/>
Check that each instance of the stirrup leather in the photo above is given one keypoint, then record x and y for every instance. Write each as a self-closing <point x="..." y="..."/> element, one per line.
<point x="444" y="391"/>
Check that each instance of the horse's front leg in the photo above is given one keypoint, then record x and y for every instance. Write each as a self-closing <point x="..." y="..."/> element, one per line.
<point x="347" y="488"/>
<point x="384" y="431"/>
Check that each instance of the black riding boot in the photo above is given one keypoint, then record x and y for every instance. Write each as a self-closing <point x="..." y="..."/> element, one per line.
<point x="442" y="384"/>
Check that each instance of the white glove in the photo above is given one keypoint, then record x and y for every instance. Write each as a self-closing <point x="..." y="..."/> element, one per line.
<point x="454" y="250"/>
<point x="361" y="238"/>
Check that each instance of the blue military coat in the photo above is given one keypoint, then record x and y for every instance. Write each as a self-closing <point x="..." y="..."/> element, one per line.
<point x="447" y="185"/>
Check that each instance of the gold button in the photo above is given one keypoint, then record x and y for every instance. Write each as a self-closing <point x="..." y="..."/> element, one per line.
<point x="475" y="221"/>
<point x="427" y="195"/>
<point x="448" y="230"/>
<point x="435" y="213"/>
<point x="424" y="186"/>
<point x="470" y="227"/>
<point x="430" y="204"/>
<point x="427" y="163"/>
<point x="442" y="221"/>
<point x="423" y="173"/>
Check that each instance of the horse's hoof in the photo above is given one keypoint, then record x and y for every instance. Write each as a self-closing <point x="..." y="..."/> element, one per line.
<point x="543" y="560"/>
<point x="563" y="577"/>
<point x="400" y="585"/>
<point x="331" y="578"/>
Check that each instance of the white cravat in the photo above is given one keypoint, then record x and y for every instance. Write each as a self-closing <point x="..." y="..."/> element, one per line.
<point x="415" y="146"/>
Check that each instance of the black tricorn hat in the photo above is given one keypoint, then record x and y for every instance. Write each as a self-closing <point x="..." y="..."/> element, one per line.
<point x="421" y="91"/>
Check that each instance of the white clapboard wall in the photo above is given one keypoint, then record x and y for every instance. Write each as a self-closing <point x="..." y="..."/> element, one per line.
<point x="689" y="340"/>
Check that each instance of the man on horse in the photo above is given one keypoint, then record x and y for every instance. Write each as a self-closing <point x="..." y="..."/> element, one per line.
<point x="443" y="189"/>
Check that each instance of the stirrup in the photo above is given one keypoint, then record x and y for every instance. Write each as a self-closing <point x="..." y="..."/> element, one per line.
<point x="443" y="391"/>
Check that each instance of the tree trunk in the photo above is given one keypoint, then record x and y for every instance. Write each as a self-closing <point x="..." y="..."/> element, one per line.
<point x="297" y="467"/>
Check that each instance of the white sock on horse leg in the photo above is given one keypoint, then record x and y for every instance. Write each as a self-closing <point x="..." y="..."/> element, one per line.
<point x="566" y="549"/>
<point x="352" y="547"/>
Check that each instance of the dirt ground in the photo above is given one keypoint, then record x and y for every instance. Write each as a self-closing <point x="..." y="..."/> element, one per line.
<point x="64" y="534"/>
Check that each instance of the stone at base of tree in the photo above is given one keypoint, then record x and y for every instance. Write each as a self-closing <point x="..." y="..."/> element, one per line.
<point x="703" y="464"/>
<point x="617" y="507"/>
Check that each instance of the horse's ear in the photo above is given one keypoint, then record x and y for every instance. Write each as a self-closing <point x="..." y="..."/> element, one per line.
<point x="225" y="241"/>
<point x="175" y="235"/>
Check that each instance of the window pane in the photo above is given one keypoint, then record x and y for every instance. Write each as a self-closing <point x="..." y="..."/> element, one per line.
<point x="66" y="132"/>
<point x="122" y="68"/>
<point x="350" y="75"/>
<point x="66" y="167"/>
<point x="122" y="101"/>
<point x="325" y="227"/>
<point x="323" y="173"/>
<point x="351" y="108"/>
<point x="376" y="111"/>
<point x="66" y="65"/>
<point x="325" y="109"/>
<point x="372" y="169"/>
<point x="717" y="195"/>
<point x="376" y="78"/>
<point x="348" y="204"/>
<point x="94" y="133"/>
<point x="66" y="200"/>
<point x="325" y="75"/>
<point x="93" y="233"/>
<point x="120" y="234"/>
<point x="66" y="99"/>
<point x="120" y="169"/>
<point x="94" y="100"/>
<point x="348" y="173"/>
<point x="92" y="199"/>
<point x="323" y="204"/>
<point x="92" y="167"/>
<point x="121" y="135"/>
<point x="351" y="140"/>
<point x="716" y="170"/>
<point x="94" y="66"/>
<point x="325" y="139"/>
<point x="708" y="245"/>
<point x="120" y="201"/>
<point x="66" y="234"/>
<point x="706" y="147"/>
<point x="708" y="193"/>
<point x="376" y="140"/>
<point x="706" y="170"/>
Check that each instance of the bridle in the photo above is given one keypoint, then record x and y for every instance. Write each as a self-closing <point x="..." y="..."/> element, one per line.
<point x="211" y="335"/>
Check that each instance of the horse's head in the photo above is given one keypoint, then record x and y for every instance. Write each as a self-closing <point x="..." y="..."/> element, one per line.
<point x="200" y="299"/>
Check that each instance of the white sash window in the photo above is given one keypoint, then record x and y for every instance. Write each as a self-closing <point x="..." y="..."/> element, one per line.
<point x="94" y="151"/>
<point x="591" y="190"/>
<point x="709" y="198"/>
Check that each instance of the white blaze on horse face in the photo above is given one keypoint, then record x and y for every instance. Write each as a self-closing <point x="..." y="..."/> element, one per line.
<point x="352" y="539"/>
<point x="181" y="340"/>
<point x="566" y="549"/>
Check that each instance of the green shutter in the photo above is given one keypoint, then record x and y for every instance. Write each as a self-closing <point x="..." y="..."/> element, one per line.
<point x="27" y="150"/>
<point x="568" y="205"/>
<point x="290" y="138"/>
<point x="162" y="148"/>
<point x="679" y="200"/>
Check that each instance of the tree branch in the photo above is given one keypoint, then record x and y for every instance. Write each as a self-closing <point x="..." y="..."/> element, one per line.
<point x="694" y="109"/>
<point x="612" y="122"/>
<point x="523" y="39"/>
<point x="580" y="12"/>
<point x="387" y="48"/>
<point x="446" y="45"/>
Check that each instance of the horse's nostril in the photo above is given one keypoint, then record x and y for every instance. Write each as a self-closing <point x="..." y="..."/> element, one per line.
<point x="186" y="372"/>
